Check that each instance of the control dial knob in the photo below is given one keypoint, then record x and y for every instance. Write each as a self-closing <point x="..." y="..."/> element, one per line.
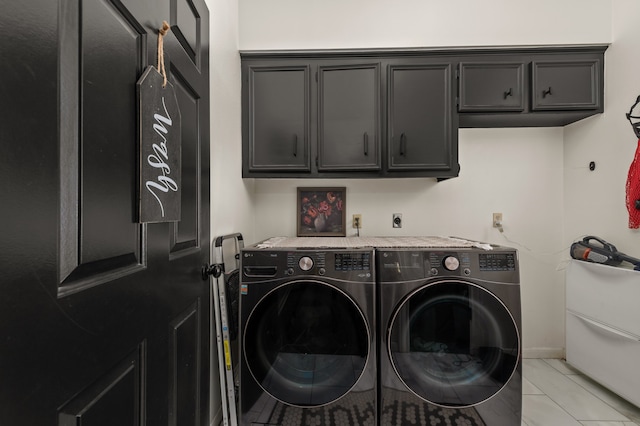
<point x="451" y="263"/>
<point x="305" y="263"/>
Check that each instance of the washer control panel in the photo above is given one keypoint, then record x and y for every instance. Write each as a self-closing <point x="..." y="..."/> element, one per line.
<point x="497" y="262"/>
<point x="351" y="264"/>
<point x="500" y="264"/>
<point x="298" y="262"/>
<point x="330" y="263"/>
<point x="353" y="261"/>
<point x="449" y="263"/>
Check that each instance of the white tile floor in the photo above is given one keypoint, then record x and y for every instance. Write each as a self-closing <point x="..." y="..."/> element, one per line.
<point x="555" y="394"/>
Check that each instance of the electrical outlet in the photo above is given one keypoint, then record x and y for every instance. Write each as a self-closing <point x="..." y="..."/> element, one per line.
<point x="397" y="220"/>
<point x="497" y="220"/>
<point x="357" y="221"/>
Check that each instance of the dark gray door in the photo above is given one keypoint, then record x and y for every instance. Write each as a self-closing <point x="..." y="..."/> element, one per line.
<point x="276" y="115"/>
<point x="348" y="117"/>
<point x="422" y="134"/>
<point x="491" y="86"/>
<point x="565" y="85"/>
<point x="103" y="321"/>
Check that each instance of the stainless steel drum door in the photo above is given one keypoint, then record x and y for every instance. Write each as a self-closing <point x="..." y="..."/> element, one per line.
<point x="306" y="343"/>
<point x="453" y="343"/>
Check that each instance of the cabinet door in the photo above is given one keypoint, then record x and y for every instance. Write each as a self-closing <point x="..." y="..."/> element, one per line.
<point x="421" y="129"/>
<point x="277" y="131"/>
<point x="348" y="117"/>
<point x="491" y="87"/>
<point x="566" y="85"/>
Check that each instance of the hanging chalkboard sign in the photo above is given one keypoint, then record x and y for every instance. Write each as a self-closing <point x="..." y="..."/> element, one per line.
<point x="160" y="149"/>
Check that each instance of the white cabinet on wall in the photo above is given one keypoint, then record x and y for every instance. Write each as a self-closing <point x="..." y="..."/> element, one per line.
<point x="603" y="325"/>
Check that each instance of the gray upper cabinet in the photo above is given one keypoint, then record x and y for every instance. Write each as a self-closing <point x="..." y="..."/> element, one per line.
<point x="529" y="87"/>
<point x="276" y="131"/>
<point x="349" y="117"/>
<point x="368" y="113"/>
<point x="565" y="85"/>
<point x="421" y="131"/>
<point x="486" y="86"/>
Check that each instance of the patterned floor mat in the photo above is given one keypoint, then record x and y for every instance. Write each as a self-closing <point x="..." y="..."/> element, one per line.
<point x="358" y="410"/>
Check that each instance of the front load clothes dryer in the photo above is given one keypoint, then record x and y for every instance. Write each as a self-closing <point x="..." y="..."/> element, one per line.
<point x="308" y="353"/>
<point x="450" y="347"/>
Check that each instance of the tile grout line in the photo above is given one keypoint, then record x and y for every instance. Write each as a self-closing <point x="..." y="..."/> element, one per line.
<point x="598" y="397"/>
<point x="558" y="405"/>
<point x="553" y="400"/>
<point x="565" y="376"/>
<point x="629" y="420"/>
<point x="577" y="373"/>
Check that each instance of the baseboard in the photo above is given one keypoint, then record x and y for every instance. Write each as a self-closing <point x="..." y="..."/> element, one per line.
<point x="556" y="353"/>
<point x="217" y="419"/>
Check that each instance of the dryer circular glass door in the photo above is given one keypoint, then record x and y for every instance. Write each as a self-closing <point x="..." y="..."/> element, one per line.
<point x="306" y="343"/>
<point x="453" y="343"/>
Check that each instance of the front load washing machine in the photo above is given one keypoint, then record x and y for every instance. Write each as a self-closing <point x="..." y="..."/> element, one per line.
<point x="450" y="327"/>
<point x="308" y="349"/>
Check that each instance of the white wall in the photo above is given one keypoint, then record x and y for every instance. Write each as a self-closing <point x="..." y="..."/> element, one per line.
<point x="231" y="203"/>
<point x="299" y="24"/>
<point x="515" y="172"/>
<point x="595" y="201"/>
<point x="518" y="172"/>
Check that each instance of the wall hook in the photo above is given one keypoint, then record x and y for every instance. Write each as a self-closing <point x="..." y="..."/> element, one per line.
<point x="592" y="165"/>
<point x="635" y="125"/>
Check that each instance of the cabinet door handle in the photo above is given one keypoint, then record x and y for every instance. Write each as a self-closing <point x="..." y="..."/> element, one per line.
<point x="605" y="327"/>
<point x="403" y="144"/>
<point x="366" y="143"/>
<point x="508" y="93"/>
<point x="546" y="92"/>
<point x="295" y="145"/>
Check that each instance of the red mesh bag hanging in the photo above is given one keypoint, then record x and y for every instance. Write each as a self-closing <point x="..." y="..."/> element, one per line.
<point x="633" y="179"/>
<point x="633" y="191"/>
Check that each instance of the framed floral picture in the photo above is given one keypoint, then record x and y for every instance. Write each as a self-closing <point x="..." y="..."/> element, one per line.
<point x="322" y="212"/>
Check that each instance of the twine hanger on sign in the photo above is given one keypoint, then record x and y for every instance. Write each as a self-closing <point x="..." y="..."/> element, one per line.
<point x="161" y="33"/>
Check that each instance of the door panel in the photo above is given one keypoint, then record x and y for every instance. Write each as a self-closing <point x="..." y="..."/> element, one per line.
<point x="420" y="117"/>
<point x="103" y="320"/>
<point x="277" y="118"/>
<point x="491" y="86"/>
<point x="565" y="85"/>
<point x="184" y="383"/>
<point x="107" y="169"/>
<point x="98" y="236"/>
<point x="349" y="127"/>
<point x="186" y="27"/>
<point x="114" y="400"/>
<point x="186" y="233"/>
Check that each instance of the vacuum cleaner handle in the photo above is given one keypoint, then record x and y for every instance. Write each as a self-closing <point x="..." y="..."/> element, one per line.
<point x="605" y="245"/>
<point x="615" y="254"/>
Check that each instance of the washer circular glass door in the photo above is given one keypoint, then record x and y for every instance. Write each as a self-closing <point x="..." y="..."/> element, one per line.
<point x="453" y="343"/>
<point x="306" y="343"/>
